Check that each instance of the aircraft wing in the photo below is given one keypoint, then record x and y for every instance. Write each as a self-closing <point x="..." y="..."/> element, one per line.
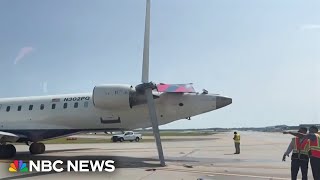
<point x="176" y="88"/>
<point x="9" y="137"/>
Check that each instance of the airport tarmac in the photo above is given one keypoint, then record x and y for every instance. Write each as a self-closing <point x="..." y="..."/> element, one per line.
<point x="206" y="158"/>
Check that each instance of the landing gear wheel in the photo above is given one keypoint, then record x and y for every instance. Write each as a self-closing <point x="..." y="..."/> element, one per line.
<point x="7" y="151"/>
<point x="37" y="148"/>
<point x="11" y="150"/>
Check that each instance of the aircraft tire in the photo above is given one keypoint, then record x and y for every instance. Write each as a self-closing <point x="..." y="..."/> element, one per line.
<point x="37" y="148"/>
<point x="7" y="151"/>
<point x="11" y="150"/>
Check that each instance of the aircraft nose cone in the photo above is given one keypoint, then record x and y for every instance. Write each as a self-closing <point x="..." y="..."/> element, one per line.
<point x="223" y="101"/>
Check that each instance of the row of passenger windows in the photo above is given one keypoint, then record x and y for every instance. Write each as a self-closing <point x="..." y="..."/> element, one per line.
<point x="53" y="106"/>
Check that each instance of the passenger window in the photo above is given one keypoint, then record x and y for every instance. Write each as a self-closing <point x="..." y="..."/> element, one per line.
<point x="53" y="106"/>
<point x="86" y="104"/>
<point x="42" y="106"/>
<point x="19" y="108"/>
<point x="30" y="107"/>
<point x="76" y="105"/>
<point x="8" y="108"/>
<point x="65" y="105"/>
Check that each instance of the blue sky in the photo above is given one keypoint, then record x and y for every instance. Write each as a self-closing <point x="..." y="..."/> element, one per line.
<point x="263" y="54"/>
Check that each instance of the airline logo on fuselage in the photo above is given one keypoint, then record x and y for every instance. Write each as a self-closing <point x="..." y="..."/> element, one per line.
<point x="86" y="98"/>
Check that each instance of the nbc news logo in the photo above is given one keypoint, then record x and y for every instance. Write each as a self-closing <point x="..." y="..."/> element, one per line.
<point x="59" y="166"/>
<point x="18" y="166"/>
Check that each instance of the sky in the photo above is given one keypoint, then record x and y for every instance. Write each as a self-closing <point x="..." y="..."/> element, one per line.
<point x="263" y="54"/>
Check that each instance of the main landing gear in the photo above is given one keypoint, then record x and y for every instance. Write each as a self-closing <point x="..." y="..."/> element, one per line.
<point x="7" y="151"/>
<point x="37" y="148"/>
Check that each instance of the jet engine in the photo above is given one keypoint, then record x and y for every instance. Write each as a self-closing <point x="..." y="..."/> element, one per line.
<point x="117" y="96"/>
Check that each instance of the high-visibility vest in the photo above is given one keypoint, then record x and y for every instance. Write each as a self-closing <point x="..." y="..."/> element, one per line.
<point x="315" y="147"/>
<point x="300" y="150"/>
<point x="237" y="138"/>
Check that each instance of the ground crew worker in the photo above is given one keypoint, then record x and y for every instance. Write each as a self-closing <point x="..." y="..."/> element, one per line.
<point x="236" y="139"/>
<point x="300" y="155"/>
<point x="315" y="152"/>
<point x="314" y="138"/>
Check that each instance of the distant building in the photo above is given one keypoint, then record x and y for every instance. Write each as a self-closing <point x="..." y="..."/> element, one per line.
<point x="278" y="128"/>
<point x="309" y="125"/>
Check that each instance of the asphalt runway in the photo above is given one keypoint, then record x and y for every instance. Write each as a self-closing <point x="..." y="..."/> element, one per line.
<point x="207" y="158"/>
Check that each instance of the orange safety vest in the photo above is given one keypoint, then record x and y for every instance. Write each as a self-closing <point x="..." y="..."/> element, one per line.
<point x="300" y="150"/>
<point x="315" y="147"/>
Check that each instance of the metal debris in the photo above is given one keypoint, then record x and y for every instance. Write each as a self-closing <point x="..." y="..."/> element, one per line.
<point x="187" y="166"/>
<point x="151" y="169"/>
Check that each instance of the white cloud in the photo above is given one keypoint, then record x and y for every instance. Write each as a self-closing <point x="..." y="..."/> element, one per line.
<point x="310" y="27"/>
<point x="23" y="53"/>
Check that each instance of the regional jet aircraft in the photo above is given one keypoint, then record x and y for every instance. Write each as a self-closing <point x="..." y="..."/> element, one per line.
<point x="110" y="107"/>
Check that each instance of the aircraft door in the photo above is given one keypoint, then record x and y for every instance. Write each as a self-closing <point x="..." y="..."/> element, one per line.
<point x="110" y="119"/>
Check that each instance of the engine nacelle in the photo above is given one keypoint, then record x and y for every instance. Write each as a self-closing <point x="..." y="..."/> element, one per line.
<point x="112" y="96"/>
<point x="117" y="96"/>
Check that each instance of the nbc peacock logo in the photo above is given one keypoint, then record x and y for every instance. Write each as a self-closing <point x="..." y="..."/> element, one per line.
<point x="18" y="166"/>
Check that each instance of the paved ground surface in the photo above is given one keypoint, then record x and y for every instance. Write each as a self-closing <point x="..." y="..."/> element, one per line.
<point x="211" y="157"/>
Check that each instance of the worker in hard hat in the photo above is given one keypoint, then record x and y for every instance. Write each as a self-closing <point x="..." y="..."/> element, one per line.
<point x="300" y="148"/>
<point x="236" y="139"/>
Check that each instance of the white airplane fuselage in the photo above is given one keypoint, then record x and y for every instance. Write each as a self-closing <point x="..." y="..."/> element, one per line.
<point x="45" y="122"/>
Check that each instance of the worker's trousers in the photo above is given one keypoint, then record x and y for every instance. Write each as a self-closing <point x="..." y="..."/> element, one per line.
<point x="297" y="164"/>
<point x="237" y="146"/>
<point x="315" y="166"/>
